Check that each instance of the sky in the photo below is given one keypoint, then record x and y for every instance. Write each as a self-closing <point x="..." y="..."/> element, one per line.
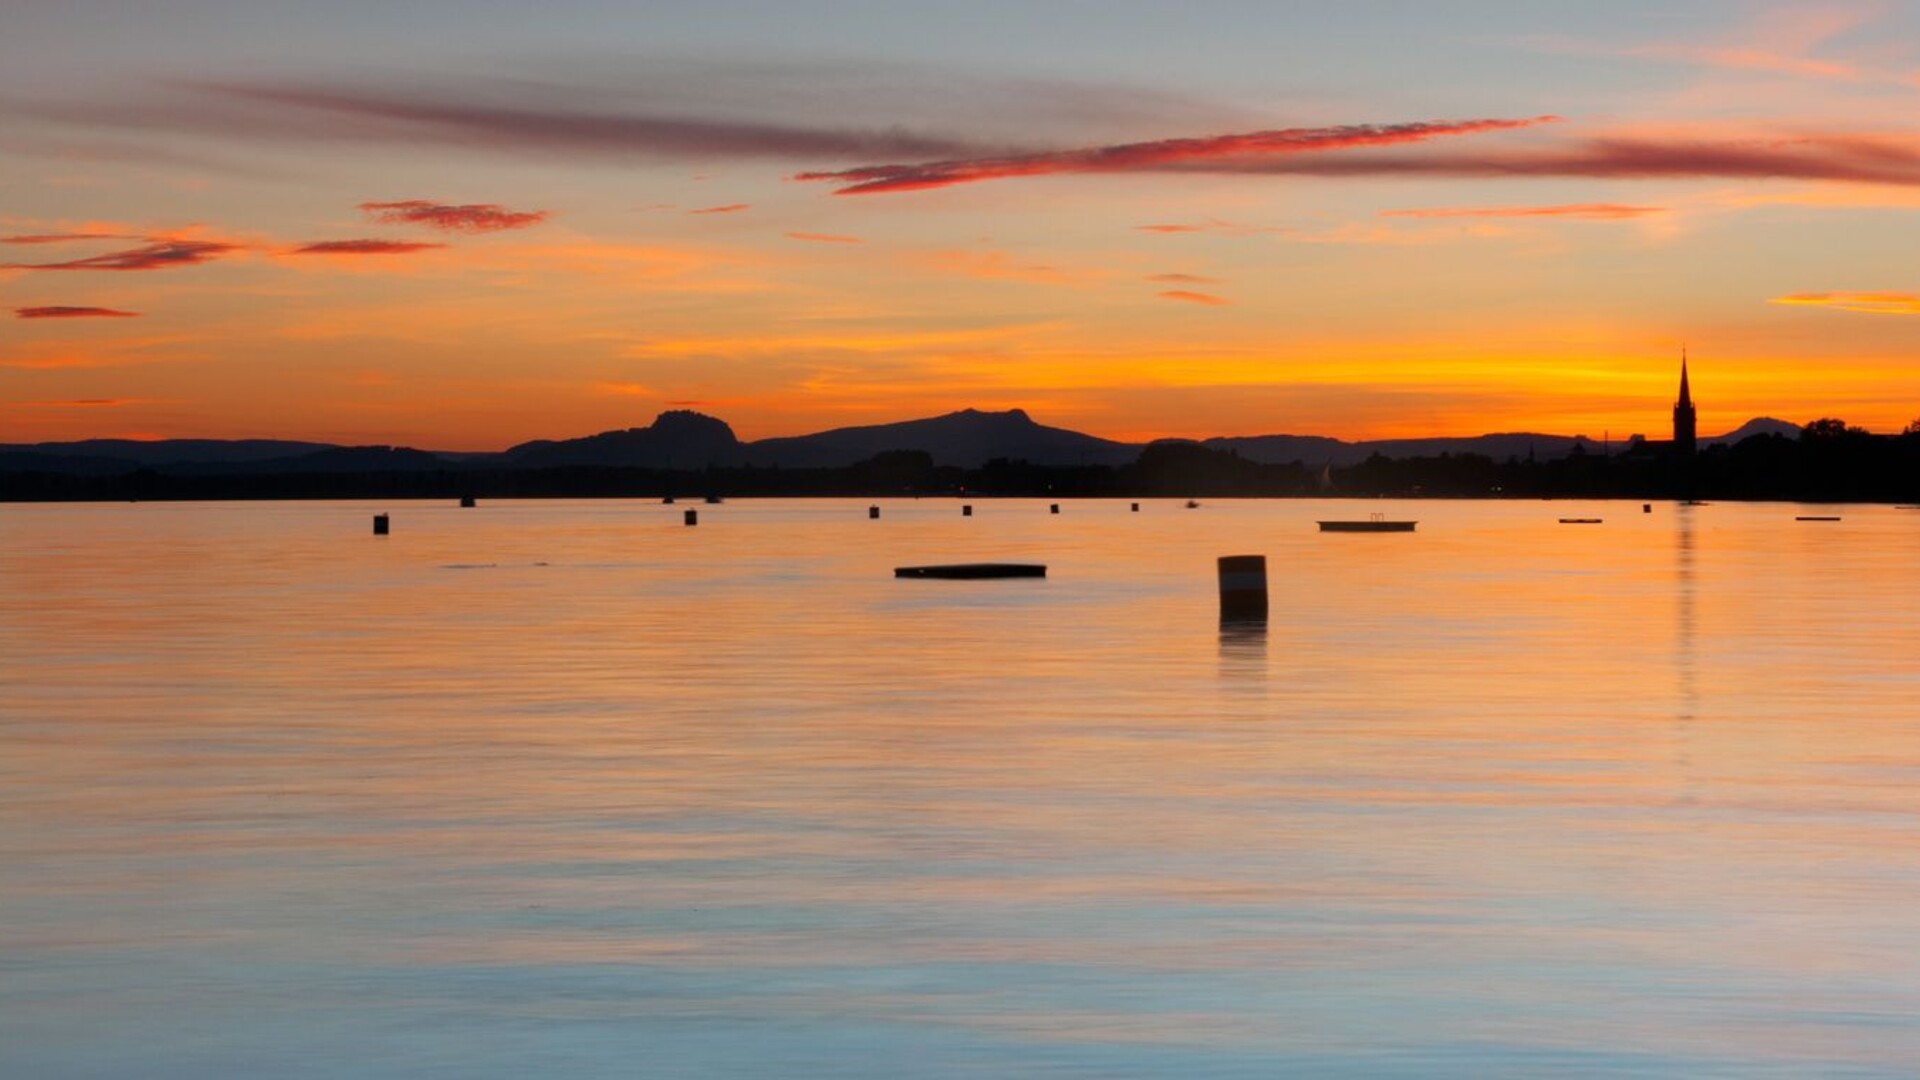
<point x="462" y="225"/>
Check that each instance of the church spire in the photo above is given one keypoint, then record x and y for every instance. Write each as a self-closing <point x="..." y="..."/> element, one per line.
<point x="1684" y="435"/>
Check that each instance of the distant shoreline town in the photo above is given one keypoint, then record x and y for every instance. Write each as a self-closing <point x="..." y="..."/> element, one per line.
<point x="984" y="454"/>
<point x="993" y="453"/>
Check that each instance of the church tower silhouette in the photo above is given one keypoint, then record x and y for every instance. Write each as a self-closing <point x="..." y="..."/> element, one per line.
<point x="1685" y="436"/>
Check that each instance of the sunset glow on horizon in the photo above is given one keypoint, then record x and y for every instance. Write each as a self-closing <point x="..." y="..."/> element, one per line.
<point x="465" y="226"/>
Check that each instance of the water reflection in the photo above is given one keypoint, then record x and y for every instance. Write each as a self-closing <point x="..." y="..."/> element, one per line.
<point x="1243" y="652"/>
<point x="1685" y="622"/>
<point x="277" y="799"/>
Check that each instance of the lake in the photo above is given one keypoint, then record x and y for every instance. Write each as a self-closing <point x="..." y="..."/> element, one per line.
<point x="566" y="788"/>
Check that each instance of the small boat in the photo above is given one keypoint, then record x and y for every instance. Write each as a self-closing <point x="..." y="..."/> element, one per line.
<point x="1579" y="521"/>
<point x="668" y="501"/>
<point x="1192" y="505"/>
<point x="714" y="500"/>
<point x="972" y="571"/>
<point x="1376" y="523"/>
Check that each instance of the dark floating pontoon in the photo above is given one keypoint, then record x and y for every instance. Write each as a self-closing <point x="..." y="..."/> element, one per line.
<point x="1579" y="521"/>
<point x="1816" y="517"/>
<point x="1373" y="524"/>
<point x="972" y="570"/>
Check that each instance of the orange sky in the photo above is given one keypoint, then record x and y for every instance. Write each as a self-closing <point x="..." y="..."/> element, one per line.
<point x="1267" y="223"/>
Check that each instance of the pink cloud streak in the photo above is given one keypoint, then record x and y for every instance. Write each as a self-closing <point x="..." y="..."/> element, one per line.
<point x="160" y="255"/>
<point x="365" y="247"/>
<point x="465" y="217"/>
<point x="1204" y="152"/>
<point x="1584" y="211"/>
<point x="63" y="311"/>
<point x="1190" y="297"/>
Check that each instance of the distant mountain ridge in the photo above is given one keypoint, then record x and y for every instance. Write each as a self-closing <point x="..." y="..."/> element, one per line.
<point x="686" y="440"/>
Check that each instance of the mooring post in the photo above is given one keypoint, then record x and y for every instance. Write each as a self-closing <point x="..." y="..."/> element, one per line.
<point x="967" y="510"/>
<point x="692" y="516"/>
<point x="1243" y="588"/>
<point x="873" y="513"/>
<point x="1135" y="508"/>
<point x="1054" y="509"/>
<point x="379" y="524"/>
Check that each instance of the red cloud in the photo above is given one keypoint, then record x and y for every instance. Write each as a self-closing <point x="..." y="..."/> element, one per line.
<point x="467" y="218"/>
<point x="1846" y="158"/>
<point x="365" y="247"/>
<point x="1207" y="152"/>
<point x="1171" y="228"/>
<point x="159" y="255"/>
<point x="64" y="312"/>
<point x="730" y="208"/>
<point x="823" y="238"/>
<point x="1587" y="211"/>
<point x="1194" y="297"/>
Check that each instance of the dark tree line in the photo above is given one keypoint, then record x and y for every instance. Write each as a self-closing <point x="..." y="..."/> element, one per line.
<point x="1828" y="461"/>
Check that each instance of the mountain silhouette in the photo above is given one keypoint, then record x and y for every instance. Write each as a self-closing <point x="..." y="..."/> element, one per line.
<point x="967" y="439"/>
<point x="685" y="440"/>
<point x="680" y="439"/>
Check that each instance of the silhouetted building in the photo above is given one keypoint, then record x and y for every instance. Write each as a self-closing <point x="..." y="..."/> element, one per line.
<point x="1685" y="437"/>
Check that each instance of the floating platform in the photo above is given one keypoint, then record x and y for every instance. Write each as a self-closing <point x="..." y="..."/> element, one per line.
<point x="1816" y="517"/>
<point x="1374" y="525"/>
<point x="1580" y="521"/>
<point x="971" y="571"/>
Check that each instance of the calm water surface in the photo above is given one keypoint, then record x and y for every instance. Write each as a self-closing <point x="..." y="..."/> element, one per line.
<point x="569" y="789"/>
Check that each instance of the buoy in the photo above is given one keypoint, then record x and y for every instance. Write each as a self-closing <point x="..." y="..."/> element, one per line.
<point x="966" y="511"/>
<point x="873" y="513"/>
<point x="379" y="524"/>
<point x="466" y="502"/>
<point x="1243" y="588"/>
<point x="1054" y="509"/>
<point x="692" y="516"/>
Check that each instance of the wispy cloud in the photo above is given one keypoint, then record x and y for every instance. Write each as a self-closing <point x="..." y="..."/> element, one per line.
<point x="81" y="403"/>
<point x="1183" y="279"/>
<point x="730" y="208"/>
<point x="464" y="217"/>
<point x="365" y="247"/>
<point x="62" y="311"/>
<point x="517" y="118"/>
<point x="823" y="238"/>
<point x="65" y="238"/>
<point x="162" y="254"/>
<point x="1206" y="152"/>
<point x="1871" y="303"/>
<point x="1190" y="297"/>
<point x="1214" y="225"/>
<point x="1583" y="211"/>
<point x="1874" y="159"/>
